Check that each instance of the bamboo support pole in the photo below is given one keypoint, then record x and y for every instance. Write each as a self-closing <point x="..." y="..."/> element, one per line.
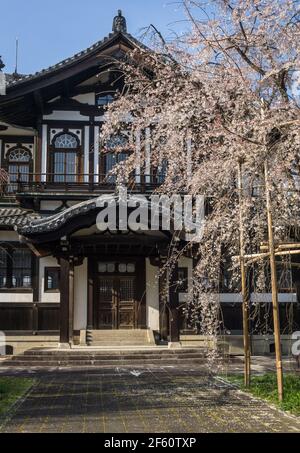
<point x="274" y="287"/>
<point x="245" y="292"/>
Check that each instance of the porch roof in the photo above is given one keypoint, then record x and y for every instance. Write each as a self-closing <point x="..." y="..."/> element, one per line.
<point x="11" y="217"/>
<point x="79" y="217"/>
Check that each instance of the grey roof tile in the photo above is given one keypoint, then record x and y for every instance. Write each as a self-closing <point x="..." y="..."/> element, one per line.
<point x="16" y="217"/>
<point x="24" y="78"/>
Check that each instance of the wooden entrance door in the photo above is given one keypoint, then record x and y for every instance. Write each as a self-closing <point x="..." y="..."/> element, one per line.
<point x="116" y="302"/>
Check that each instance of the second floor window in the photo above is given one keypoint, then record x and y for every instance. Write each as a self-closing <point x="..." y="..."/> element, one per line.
<point x="65" y="158"/>
<point x="19" y="163"/>
<point x="116" y="152"/>
<point x="104" y="99"/>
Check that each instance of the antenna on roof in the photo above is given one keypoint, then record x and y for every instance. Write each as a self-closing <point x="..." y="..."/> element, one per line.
<point x="17" y="55"/>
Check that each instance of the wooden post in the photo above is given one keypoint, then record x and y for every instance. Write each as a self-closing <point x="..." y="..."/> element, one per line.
<point x="66" y="300"/>
<point x="36" y="294"/>
<point x="163" y="310"/>
<point x="174" y="307"/>
<point x="71" y="301"/>
<point x="90" y="295"/>
<point x="245" y="292"/>
<point x="274" y="287"/>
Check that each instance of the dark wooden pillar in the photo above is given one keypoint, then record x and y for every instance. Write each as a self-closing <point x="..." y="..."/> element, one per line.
<point x="36" y="294"/>
<point x="163" y="301"/>
<point x="140" y="305"/>
<point x="92" y="152"/>
<point x="174" y="307"/>
<point x="90" y="304"/>
<point x="66" y="300"/>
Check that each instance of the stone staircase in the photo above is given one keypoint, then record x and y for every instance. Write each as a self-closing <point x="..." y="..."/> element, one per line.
<point x="116" y="338"/>
<point x="91" y="358"/>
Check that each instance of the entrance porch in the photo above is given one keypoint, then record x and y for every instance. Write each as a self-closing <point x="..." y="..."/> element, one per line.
<point x="113" y="281"/>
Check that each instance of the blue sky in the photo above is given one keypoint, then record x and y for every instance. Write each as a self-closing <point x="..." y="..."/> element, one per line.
<point x="51" y="30"/>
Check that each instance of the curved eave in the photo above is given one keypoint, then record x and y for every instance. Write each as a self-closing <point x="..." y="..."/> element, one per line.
<point x="72" y="220"/>
<point x="24" y="85"/>
<point x="21" y="104"/>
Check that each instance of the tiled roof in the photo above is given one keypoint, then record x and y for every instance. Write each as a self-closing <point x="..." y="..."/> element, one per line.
<point x="16" y="217"/>
<point x="56" y="221"/>
<point x="11" y="81"/>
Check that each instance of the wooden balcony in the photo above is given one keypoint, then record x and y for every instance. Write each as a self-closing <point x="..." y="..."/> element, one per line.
<point x="83" y="185"/>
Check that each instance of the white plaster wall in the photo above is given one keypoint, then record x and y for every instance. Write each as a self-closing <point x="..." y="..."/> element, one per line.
<point x="62" y="115"/>
<point x="16" y="298"/>
<point x="88" y="98"/>
<point x="47" y="297"/>
<point x="50" y="205"/>
<point x="152" y="296"/>
<point x="9" y="236"/>
<point x="18" y="131"/>
<point x="80" y="296"/>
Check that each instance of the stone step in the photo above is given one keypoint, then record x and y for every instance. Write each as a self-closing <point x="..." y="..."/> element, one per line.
<point x="94" y="363"/>
<point x="116" y="338"/>
<point x="99" y="357"/>
<point x="111" y="352"/>
<point x="41" y="358"/>
<point x="121" y="332"/>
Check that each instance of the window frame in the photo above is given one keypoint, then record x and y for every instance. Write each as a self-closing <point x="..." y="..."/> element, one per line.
<point x="65" y="151"/>
<point x="46" y="275"/>
<point x="9" y="288"/>
<point x="19" y="164"/>
<point x="104" y="94"/>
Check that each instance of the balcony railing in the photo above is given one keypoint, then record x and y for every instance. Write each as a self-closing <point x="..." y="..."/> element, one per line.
<point x="42" y="183"/>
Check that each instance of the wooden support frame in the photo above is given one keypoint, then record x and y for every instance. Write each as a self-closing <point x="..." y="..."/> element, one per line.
<point x="272" y="256"/>
<point x="245" y="292"/>
<point x="67" y="300"/>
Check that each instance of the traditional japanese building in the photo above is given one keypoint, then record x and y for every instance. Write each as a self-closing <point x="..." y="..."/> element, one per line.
<point x="62" y="280"/>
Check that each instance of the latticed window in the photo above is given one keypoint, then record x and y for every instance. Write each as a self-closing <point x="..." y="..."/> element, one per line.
<point x="15" y="268"/>
<point x="21" y="268"/>
<point x="66" y="141"/>
<point x="116" y="152"/>
<point x="115" y="268"/>
<point x="66" y="158"/>
<point x="52" y="278"/>
<point x="19" y="155"/>
<point x="3" y="268"/>
<point x="19" y="164"/>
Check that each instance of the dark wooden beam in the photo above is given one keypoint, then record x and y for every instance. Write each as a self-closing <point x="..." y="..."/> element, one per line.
<point x="36" y="292"/>
<point x="39" y="103"/>
<point x="66" y="300"/>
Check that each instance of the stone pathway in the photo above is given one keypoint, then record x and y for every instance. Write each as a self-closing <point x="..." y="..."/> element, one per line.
<point x="161" y="400"/>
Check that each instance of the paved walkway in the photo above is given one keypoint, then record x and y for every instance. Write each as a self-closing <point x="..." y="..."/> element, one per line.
<point x="161" y="400"/>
